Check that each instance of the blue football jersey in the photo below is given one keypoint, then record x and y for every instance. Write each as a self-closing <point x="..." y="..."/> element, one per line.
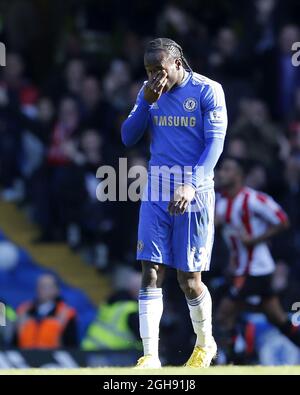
<point x="182" y="121"/>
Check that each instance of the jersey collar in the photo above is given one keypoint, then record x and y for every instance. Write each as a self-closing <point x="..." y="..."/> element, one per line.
<point x="185" y="79"/>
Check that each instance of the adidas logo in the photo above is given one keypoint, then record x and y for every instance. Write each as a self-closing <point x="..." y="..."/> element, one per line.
<point x="154" y="106"/>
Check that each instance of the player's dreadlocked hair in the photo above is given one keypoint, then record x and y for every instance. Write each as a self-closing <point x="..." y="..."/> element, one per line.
<point x="171" y="47"/>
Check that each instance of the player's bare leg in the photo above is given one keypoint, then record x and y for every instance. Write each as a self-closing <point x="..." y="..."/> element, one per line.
<point x="200" y="306"/>
<point x="276" y="315"/>
<point x="226" y="318"/>
<point x="152" y="275"/>
<point x="150" y="312"/>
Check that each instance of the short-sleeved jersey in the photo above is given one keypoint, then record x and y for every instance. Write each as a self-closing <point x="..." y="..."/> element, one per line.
<point x="183" y="119"/>
<point x="248" y="212"/>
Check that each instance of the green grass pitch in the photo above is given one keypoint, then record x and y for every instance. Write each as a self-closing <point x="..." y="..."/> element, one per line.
<point x="222" y="370"/>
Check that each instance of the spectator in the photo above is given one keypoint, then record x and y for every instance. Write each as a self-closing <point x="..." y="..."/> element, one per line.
<point x="48" y="181"/>
<point x="95" y="111"/>
<point x="67" y="83"/>
<point x="116" y="326"/>
<point x="46" y="322"/>
<point x="253" y="125"/>
<point x="116" y="82"/>
<point x="90" y="222"/>
<point x="21" y="90"/>
<point x="228" y="64"/>
<point x="61" y="144"/>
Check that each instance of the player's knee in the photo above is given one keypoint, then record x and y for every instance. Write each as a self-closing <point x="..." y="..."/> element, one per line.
<point x="149" y="277"/>
<point x="190" y="286"/>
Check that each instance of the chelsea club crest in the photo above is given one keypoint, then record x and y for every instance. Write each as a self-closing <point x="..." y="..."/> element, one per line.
<point x="190" y="104"/>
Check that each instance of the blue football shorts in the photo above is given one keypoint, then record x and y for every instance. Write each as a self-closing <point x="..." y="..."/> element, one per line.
<point x="183" y="242"/>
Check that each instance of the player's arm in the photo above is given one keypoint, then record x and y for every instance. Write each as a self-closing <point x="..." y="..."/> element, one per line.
<point x="135" y="125"/>
<point x="265" y="207"/>
<point x="272" y="231"/>
<point x="215" y="125"/>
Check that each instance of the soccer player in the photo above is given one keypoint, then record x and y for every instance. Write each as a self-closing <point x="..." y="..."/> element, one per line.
<point x="248" y="219"/>
<point x="186" y="113"/>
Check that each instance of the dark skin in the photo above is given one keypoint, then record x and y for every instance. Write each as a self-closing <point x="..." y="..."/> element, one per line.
<point x="231" y="180"/>
<point x="164" y="74"/>
<point x="153" y="276"/>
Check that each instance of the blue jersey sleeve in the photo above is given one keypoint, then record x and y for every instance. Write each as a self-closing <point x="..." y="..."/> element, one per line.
<point x="215" y="124"/>
<point x="135" y="125"/>
<point x="214" y="111"/>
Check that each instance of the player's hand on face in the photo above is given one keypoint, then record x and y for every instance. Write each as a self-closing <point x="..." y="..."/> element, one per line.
<point x="182" y="198"/>
<point x="155" y="86"/>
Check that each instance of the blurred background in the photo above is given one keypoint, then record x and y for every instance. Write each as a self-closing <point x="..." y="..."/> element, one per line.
<point x="73" y="70"/>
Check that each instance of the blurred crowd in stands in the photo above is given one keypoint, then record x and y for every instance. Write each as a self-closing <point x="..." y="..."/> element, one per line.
<point x="72" y="75"/>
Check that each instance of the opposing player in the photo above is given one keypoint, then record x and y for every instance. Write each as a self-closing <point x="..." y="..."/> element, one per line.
<point x="248" y="218"/>
<point x="186" y="114"/>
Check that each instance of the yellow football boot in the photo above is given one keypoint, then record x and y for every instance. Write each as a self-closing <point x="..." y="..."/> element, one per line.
<point x="148" y="362"/>
<point x="202" y="356"/>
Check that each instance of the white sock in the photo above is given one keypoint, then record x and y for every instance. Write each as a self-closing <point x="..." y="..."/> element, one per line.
<point x="150" y="312"/>
<point x="201" y="313"/>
